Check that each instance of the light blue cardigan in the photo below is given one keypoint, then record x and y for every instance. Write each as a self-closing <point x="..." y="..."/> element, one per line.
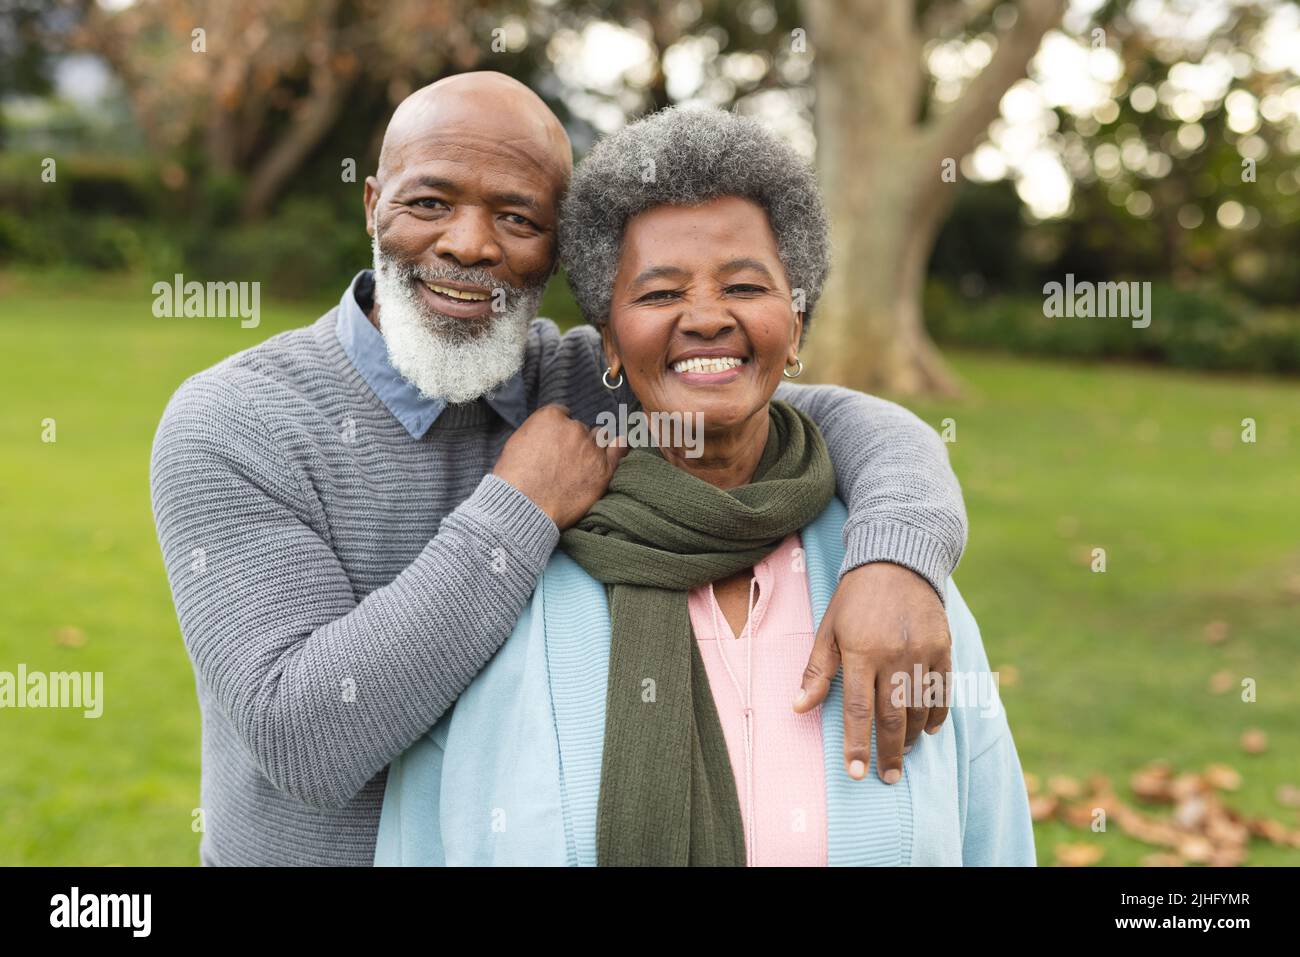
<point x="511" y="775"/>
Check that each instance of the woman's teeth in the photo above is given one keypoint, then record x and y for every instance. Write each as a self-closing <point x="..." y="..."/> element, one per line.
<point x="457" y="293"/>
<point x="712" y="364"/>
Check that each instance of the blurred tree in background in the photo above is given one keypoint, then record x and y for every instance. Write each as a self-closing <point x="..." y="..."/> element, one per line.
<point x="971" y="149"/>
<point x="276" y="78"/>
<point x="882" y="152"/>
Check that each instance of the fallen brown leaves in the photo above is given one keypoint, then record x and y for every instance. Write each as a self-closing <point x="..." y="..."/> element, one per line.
<point x="1077" y="855"/>
<point x="1216" y="632"/>
<point x="1199" y="827"/>
<point x="1254" y="741"/>
<point x="1288" y="795"/>
<point x="70" y="636"/>
<point x="1221" y="682"/>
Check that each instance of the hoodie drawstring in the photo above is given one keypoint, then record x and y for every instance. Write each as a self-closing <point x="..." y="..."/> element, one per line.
<point x="746" y="700"/>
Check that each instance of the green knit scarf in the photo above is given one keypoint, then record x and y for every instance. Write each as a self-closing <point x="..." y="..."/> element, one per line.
<point x="667" y="794"/>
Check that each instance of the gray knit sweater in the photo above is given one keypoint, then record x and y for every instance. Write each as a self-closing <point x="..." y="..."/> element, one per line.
<point x="338" y="583"/>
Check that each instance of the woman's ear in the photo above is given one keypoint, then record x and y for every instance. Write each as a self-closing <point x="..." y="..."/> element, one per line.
<point x="611" y="350"/>
<point x="795" y="335"/>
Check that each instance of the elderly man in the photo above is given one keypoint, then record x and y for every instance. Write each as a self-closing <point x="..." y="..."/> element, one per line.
<point x="353" y="514"/>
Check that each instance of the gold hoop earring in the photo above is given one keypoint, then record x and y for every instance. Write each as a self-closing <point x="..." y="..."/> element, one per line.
<point x="797" y="372"/>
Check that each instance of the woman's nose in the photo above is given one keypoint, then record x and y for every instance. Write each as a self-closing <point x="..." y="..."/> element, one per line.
<point x="707" y="317"/>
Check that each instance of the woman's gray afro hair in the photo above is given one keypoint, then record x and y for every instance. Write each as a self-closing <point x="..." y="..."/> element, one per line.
<point x="686" y="157"/>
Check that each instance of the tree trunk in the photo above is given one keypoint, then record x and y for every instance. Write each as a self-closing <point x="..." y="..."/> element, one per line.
<point x="868" y="331"/>
<point x="310" y="123"/>
<point x="882" y="173"/>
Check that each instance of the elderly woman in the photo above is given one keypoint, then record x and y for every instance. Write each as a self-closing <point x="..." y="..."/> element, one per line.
<point x="639" y="714"/>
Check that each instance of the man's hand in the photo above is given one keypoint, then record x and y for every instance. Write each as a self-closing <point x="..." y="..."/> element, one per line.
<point x="882" y="621"/>
<point x="555" y="461"/>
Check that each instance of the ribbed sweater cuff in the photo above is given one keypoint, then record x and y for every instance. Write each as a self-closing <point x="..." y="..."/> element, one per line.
<point x="900" y="545"/>
<point x="503" y="508"/>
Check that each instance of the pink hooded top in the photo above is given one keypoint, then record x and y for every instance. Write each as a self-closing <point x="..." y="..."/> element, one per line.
<point x="776" y="755"/>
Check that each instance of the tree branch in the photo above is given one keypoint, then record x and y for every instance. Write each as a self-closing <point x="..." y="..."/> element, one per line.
<point x="955" y="132"/>
<point x="944" y="20"/>
<point x="307" y="127"/>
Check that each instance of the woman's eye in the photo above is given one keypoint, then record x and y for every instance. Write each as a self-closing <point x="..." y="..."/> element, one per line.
<point x="745" y="288"/>
<point x="659" y="295"/>
<point x="520" y="220"/>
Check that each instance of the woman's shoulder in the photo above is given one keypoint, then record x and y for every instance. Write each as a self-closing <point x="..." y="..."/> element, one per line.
<point x="566" y="588"/>
<point x="560" y="567"/>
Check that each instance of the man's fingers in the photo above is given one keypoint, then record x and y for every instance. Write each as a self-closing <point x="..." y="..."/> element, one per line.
<point x="939" y="712"/>
<point x="891" y="728"/>
<point x="823" y="664"/>
<point x="918" y="708"/>
<point x="859" y="710"/>
<point x="917" y="721"/>
<point x="614" y="454"/>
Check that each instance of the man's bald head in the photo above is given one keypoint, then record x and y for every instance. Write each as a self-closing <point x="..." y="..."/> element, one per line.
<point x="463" y="212"/>
<point x="481" y="104"/>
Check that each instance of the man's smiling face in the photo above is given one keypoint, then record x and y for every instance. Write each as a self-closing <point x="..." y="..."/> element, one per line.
<point x="463" y="213"/>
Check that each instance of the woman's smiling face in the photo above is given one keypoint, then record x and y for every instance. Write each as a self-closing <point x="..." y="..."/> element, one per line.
<point x="701" y="319"/>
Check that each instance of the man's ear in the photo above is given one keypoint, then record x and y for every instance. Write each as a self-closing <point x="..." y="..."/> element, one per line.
<point x="371" y="198"/>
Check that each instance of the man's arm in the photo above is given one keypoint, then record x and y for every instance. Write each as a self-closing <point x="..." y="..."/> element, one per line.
<point x="892" y="471"/>
<point x="904" y="534"/>
<point x="326" y="690"/>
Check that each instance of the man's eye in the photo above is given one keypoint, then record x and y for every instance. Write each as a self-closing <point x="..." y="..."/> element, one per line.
<point x="429" y="203"/>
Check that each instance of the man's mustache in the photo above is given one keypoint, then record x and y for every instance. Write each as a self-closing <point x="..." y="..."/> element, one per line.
<point x="446" y="272"/>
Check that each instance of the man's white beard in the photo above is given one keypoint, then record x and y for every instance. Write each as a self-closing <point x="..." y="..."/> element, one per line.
<point x="440" y="355"/>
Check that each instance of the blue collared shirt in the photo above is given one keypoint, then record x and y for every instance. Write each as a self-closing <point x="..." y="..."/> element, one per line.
<point x="365" y="346"/>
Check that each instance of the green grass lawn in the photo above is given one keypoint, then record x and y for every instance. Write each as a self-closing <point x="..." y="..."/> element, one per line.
<point x="1199" y="529"/>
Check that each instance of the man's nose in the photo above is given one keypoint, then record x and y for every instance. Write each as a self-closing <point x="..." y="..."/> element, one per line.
<point x="467" y="239"/>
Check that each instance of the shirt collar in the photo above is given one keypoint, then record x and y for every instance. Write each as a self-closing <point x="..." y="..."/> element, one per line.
<point x="365" y="346"/>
